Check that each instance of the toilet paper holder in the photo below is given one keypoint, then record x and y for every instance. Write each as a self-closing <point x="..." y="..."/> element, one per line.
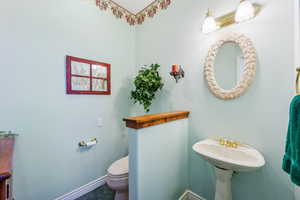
<point x="88" y="144"/>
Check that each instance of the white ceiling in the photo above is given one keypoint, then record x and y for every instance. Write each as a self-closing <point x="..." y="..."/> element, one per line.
<point x="134" y="6"/>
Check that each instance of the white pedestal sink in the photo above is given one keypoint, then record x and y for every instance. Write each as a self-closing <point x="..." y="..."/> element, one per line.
<point x="227" y="160"/>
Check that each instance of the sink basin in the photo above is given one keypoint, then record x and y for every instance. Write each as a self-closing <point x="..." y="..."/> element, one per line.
<point x="226" y="160"/>
<point x="243" y="158"/>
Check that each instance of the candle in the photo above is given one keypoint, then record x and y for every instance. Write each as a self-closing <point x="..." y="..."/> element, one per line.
<point x="175" y="68"/>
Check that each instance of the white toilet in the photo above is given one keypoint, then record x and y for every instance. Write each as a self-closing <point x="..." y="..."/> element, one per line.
<point x="117" y="178"/>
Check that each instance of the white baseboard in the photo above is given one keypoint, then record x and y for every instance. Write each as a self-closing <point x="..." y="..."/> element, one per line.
<point x="189" y="195"/>
<point x="83" y="189"/>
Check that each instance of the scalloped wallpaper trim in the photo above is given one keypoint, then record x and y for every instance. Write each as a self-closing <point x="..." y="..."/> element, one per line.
<point x="133" y="19"/>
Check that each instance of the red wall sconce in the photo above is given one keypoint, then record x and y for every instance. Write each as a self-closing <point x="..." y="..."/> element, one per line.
<point x="177" y="72"/>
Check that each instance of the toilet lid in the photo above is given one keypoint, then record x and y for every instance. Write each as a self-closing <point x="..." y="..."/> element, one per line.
<point x="119" y="167"/>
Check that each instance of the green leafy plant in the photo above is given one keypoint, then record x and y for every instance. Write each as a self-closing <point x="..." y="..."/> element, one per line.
<point x="147" y="83"/>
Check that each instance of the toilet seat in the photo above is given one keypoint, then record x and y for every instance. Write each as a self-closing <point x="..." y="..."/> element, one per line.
<point x="119" y="169"/>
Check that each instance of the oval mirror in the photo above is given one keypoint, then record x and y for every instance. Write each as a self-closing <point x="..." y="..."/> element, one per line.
<point x="230" y="66"/>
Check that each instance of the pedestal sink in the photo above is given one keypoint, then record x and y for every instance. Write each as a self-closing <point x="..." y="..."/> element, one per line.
<point x="227" y="160"/>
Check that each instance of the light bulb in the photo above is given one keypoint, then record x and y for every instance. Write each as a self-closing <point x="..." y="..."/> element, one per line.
<point x="209" y="24"/>
<point x="245" y="11"/>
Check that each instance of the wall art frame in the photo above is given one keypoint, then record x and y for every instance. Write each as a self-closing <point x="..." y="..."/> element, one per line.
<point x="85" y="76"/>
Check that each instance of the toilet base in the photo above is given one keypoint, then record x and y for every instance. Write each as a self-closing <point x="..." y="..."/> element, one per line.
<point x="120" y="186"/>
<point x="121" y="195"/>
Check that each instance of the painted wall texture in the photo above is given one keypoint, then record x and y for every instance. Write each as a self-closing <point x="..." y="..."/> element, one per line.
<point x="258" y="118"/>
<point x="37" y="35"/>
<point x="158" y="161"/>
<point x="35" y="38"/>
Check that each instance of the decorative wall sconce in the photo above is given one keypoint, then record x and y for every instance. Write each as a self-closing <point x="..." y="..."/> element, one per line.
<point x="245" y="11"/>
<point x="177" y="72"/>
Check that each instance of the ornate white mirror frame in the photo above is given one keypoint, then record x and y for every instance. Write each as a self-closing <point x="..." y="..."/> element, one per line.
<point x="248" y="74"/>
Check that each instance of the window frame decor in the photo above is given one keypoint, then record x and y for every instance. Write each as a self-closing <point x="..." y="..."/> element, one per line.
<point x="92" y="68"/>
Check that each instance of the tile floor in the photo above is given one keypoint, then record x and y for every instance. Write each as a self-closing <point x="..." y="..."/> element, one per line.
<point x="101" y="193"/>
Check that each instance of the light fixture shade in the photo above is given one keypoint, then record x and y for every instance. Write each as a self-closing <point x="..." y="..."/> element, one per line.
<point x="245" y="11"/>
<point x="209" y="25"/>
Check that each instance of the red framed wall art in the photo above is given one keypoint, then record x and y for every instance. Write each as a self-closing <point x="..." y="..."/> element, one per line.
<point x="87" y="76"/>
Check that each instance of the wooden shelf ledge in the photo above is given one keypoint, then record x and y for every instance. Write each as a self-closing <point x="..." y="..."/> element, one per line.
<point x="144" y="121"/>
<point x="6" y="154"/>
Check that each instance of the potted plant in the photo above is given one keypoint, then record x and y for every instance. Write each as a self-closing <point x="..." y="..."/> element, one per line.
<point x="147" y="83"/>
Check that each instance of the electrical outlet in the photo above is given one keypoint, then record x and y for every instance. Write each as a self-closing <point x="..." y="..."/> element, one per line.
<point x="99" y="122"/>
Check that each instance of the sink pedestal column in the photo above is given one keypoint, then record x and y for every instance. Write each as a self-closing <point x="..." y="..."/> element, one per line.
<point x="223" y="184"/>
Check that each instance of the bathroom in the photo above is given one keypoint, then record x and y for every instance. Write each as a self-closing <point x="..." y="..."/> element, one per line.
<point x="48" y="164"/>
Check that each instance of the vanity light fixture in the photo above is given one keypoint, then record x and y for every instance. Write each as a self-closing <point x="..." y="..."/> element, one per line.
<point x="209" y="24"/>
<point x="245" y="11"/>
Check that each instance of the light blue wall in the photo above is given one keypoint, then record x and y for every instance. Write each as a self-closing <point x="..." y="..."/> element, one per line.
<point x="259" y="117"/>
<point x="158" y="161"/>
<point x="35" y="38"/>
